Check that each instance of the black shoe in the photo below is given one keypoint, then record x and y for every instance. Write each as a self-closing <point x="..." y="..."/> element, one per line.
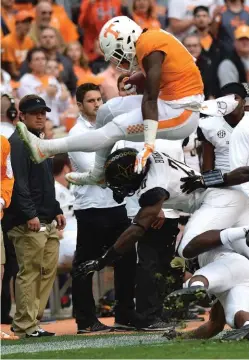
<point x="39" y="333"/>
<point x="187" y="295"/>
<point x="129" y="320"/>
<point x="6" y="320"/>
<point x="158" y="325"/>
<point x="237" y="334"/>
<point x="97" y="326"/>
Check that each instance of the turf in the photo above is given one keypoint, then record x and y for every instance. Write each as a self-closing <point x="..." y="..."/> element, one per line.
<point x="122" y="347"/>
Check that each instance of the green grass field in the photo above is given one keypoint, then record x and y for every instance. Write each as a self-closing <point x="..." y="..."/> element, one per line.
<point x="138" y="346"/>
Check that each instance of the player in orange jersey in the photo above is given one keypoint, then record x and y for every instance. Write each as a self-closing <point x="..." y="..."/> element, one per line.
<point x="169" y="108"/>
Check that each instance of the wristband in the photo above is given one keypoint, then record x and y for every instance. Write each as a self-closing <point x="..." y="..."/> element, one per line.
<point x="150" y="132"/>
<point x="213" y="178"/>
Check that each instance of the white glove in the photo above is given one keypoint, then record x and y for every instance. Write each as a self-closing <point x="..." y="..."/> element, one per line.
<point x="142" y="158"/>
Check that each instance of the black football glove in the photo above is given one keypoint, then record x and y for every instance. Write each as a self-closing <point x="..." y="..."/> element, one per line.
<point x="192" y="183"/>
<point x="90" y="266"/>
<point x="86" y="268"/>
<point x="211" y="178"/>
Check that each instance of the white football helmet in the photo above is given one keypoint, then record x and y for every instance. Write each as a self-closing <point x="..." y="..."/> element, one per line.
<point x="117" y="40"/>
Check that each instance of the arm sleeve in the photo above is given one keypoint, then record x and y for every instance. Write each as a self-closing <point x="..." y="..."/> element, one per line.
<point x="239" y="152"/>
<point x="21" y="168"/>
<point x="227" y="73"/>
<point x="7" y="179"/>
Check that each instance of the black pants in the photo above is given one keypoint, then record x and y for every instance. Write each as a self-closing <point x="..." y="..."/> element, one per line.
<point x="155" y="252"/>
<point x="10" y="270"/>
<point x="98" y="229"/>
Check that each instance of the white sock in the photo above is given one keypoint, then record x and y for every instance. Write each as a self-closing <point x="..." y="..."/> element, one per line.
<point x="246" y="323"/>
<point x="100" y="159"/>
<point x="87" y="142"/>
<point x="197" y="283"/>
<point x="240" y="247"/>
<point x="227" y="236"/>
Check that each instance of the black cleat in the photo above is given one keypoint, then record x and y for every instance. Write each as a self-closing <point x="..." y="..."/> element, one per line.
<point x="187" y="295"/>
<point x="40" y="333"/>
<point x="158" y="325"/>
<point x="97" y="326"/>
<point x="237" y="334"/>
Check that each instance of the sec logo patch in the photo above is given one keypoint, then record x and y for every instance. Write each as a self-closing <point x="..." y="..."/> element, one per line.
<point x="221" y="133"/>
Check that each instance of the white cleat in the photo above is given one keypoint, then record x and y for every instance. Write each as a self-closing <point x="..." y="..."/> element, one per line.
<point x="32" y="142"/>
<point x="219" y="107"/>
<point x="86" y="178"/>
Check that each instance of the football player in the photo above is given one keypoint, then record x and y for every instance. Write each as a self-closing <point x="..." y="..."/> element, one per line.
<point x="169" y="108"/>
<point x="213" y="209"/>
<point x="223" y="277"/>
<point x="215" y="132"/>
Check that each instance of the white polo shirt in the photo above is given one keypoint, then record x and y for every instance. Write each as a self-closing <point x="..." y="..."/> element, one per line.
<point x="88" y="196"/>
<point x="7" y="129"/>
<point x="239" y="148"/>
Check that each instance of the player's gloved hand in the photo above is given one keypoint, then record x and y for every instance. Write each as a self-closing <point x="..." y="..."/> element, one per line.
<point x="192" y="183"/>
<point x="210" y="178"/>
<point x="142" y="158"/>
<point x="86" y="268"/>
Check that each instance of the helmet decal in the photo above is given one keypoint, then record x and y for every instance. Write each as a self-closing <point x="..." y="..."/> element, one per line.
<point x="110" y="30"/>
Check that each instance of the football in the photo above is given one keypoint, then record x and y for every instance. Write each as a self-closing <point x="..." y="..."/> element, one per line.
<point x="137" y="79"/>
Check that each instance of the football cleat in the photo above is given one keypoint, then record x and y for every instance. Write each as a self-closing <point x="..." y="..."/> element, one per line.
<point x="237" y="334"/>
<point x="33" y="143"/>
<point x="86" y="178"/>
<point x="187" y="295"/>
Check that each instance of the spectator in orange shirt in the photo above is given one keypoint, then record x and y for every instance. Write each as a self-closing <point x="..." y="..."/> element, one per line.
<point x="16" y="45"/>
<point x="93" y="15"/>
<point x="7" y="16"/>
<point x="45" y="17"/>
<point x="144" y="14"/>
<point x="81" y="69"/>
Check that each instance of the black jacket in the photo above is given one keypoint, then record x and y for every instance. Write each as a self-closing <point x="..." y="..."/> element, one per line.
<point x="33" y="192"/>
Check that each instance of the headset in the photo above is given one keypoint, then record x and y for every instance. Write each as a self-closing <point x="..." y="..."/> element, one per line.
<point x="11" y="112"/>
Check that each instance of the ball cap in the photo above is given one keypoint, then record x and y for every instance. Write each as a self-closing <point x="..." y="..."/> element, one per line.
<point x="241" y="32"/>
<point x="31" y="105"/>
<point x="23" y="15"/>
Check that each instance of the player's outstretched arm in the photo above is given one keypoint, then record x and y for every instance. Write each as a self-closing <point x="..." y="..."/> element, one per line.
<point x="142" y="222"/>
<point x="152" y="65"/>
<point x="237" y="176"/>
<point x="215" y="178"/>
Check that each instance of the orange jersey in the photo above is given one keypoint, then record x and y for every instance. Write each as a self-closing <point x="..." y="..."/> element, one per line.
<point x="15" y="51"/>
<point x="180" y="76"/>
<point x="7" y="179"/>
